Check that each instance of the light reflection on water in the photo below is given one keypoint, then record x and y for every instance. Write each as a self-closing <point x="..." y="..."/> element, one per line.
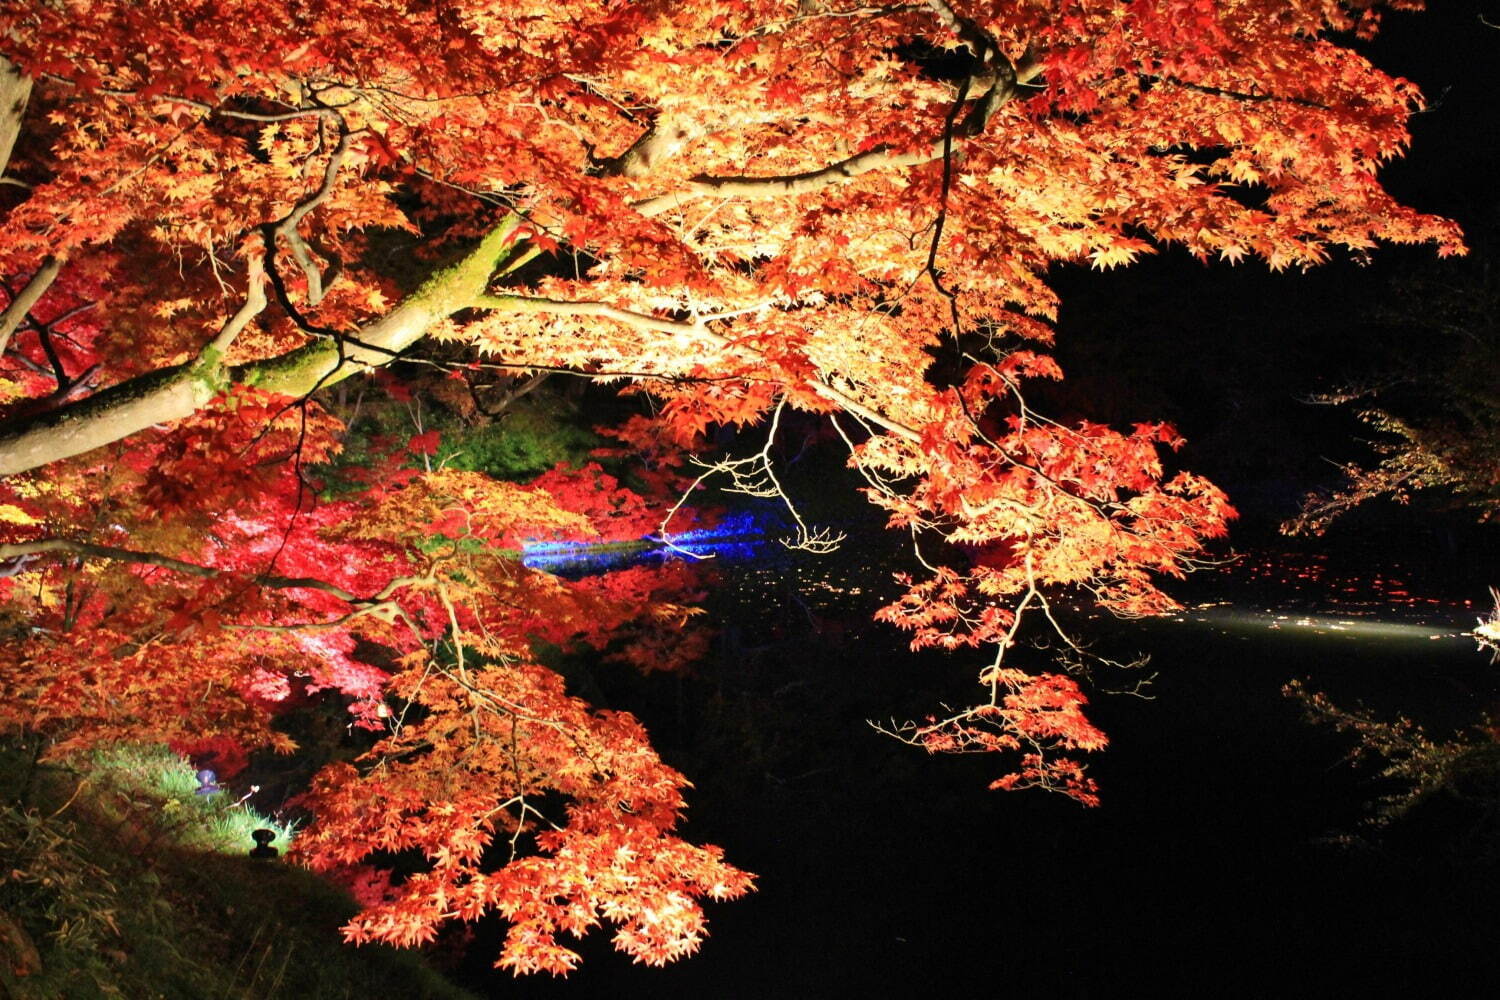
<point x="1291" y="593"/>
<point x="739" y="537"/>
<point x="1229" y="618"/>
<point x="1302" y="594"/>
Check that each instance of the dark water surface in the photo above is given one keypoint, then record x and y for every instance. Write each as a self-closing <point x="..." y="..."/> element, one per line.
<point x="1207" y="871"/>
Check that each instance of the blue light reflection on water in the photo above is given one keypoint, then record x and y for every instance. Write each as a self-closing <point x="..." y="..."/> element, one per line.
<point x="745" y="537"/>
<point x="742" y="535"/>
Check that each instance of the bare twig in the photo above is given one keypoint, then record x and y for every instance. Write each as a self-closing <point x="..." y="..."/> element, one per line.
<point x="754" y="476"/>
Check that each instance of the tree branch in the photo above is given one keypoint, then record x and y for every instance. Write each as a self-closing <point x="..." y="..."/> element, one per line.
<point x="1236" y="95"/>
<point x="255" y="301"/>
<point x="15" y="91"/>
<point x="658" y="143"/>
<point x="519" y="387"/>
<point x="13" y="551"/>
<point x="218" y="110"/>
<point x="21" y="303"/>
<point x="561" y="307"/>
<point x="1001" y="88"/>
<point x="680" y="328"/>
<point x="58" y="371"/>
<point x="177" y="392"/>
<point x="287" y="228"/>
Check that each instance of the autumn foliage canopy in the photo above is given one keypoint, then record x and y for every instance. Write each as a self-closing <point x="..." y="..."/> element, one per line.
<point x="219" y="212"/>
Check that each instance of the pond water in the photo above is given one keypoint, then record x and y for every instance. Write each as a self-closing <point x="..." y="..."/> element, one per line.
<point x="1209" y="870"/>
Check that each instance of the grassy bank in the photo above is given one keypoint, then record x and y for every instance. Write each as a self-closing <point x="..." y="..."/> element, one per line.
<point x="117" y="880"/>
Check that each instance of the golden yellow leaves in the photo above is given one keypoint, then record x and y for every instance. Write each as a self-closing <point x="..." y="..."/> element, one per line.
<point x="10" y="514"/>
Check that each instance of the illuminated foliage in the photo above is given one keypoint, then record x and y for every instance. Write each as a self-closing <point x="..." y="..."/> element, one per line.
<point x="218" y="210"/>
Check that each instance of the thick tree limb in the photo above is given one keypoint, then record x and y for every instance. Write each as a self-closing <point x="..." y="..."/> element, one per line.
<point x="175" y="393"/>
<point x="107" y="416"/>
<point x="15" y="91"/>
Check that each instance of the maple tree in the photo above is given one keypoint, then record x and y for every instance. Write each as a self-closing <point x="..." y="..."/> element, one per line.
<point x="216" y="212"/>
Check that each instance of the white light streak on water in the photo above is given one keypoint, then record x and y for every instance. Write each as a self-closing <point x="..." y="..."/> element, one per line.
<point x="1238" y="619"/>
